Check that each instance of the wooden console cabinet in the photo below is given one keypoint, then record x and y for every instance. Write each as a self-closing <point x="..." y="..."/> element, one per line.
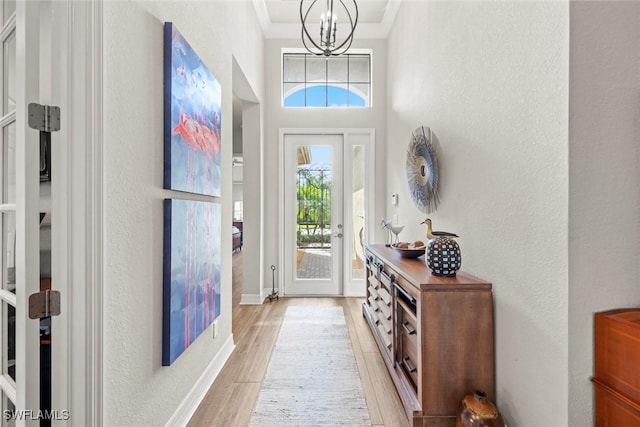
<point x="435" y="334"/>
<point x="617" y="368"/>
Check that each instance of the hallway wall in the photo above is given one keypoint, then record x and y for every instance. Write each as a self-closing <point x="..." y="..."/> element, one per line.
<point x="604" y="178"/>
<point x="137" y="389"/>
<point x="491" y="80"/>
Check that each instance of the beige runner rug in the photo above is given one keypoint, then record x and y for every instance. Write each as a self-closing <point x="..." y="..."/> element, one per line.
<point x="312" y="378"/>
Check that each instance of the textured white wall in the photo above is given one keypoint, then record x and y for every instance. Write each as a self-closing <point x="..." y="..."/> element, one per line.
<point x="277" y="117"/>
<point x="491" y="80"/>
<point x="137" y="389"/>
<point x="604" y="203"/>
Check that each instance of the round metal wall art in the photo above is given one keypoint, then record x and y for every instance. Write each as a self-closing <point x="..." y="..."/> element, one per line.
<point x="422" y="170"/>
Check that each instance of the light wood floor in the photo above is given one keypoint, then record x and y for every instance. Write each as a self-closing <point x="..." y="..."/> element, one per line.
<point x="232" y="396"/>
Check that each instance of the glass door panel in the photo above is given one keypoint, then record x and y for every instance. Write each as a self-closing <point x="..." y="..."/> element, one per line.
<point x="9" y="71"/>
<point x="9" y="341"/>
<point x="7" y="405"/>
<point x="313" y="213"/>
<point x="358" y="204"/>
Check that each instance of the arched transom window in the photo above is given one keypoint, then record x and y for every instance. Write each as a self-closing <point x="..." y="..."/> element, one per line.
<point x="316" y="81"/>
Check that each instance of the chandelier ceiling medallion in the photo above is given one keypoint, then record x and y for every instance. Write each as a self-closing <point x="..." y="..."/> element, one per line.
<point x="330" y="42"/>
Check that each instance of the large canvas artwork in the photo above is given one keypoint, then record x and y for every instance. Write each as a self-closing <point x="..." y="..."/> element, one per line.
<point x="192" y="115"/>
<point x="191" y="301"/>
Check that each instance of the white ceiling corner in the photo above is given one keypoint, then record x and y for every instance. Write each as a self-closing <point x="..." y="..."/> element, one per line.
<point x="281" y="18"/>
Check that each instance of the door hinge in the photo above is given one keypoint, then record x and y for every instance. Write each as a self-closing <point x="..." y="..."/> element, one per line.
<point x="44" y="304"/>
<point x="45" y="118"/>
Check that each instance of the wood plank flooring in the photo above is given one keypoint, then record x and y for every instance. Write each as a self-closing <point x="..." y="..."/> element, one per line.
<point x="231" y="398"/>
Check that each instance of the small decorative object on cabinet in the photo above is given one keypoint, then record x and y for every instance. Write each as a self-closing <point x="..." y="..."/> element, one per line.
<point x="444" y="257"/>
<point x="478" y="411"/>
<point x="420" y="321"/>
<point x="391" y="229"/>
<point x="617" y="368"/>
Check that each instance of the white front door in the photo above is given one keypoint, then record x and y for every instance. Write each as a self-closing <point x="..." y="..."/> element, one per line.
<point x="327" y="189"/>
<point x="314" y="228"/>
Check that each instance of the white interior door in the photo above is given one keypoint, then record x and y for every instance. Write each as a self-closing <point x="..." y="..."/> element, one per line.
<point x="19" y="228"/>
<point x="327" y="186"/>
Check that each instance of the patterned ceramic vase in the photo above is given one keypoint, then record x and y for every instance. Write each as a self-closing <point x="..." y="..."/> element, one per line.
<point x="443" y="256"/>
<point x="478" y="411"/>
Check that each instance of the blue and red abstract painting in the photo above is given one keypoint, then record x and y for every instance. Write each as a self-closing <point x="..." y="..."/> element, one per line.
<point x="192" y="116"/>
<point x="191" y="300"/>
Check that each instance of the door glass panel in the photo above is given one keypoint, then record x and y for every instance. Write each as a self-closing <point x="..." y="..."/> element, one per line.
<point x="9" y="163"/>
<point x="8" y="409"/>
<point x="8" y="251"/>
<point x="313" y="210"/>
<point x="9" y="7"/>
<point x="9" y="84"/>
<point x="358" y="211"/>
<point x="9" y="340"/>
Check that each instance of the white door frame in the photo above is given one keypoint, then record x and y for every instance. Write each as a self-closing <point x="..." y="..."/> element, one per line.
<point x="77" y="212"/>
<point x="348" y="288"/>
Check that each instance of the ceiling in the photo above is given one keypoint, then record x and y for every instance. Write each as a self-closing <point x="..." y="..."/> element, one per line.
<point x="281" y="18"/>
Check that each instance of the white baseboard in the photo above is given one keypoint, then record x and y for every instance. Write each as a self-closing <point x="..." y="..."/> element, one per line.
<point x="188" y="406"/>
<point x="357" y="293"/>
<point x="250" y="299"/>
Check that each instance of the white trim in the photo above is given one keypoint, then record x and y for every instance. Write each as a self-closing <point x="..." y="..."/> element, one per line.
<point x="251" y="299"/>
<point x="364" y="30"/>
<point x="262" y="14"/>
<point x="190" y="403"/>
<point x="77" y="201"/>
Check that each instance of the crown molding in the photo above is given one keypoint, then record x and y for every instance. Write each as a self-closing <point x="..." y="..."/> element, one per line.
<point x="292" y="31"/>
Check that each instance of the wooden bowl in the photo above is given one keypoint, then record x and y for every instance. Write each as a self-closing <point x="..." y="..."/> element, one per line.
<point x="409" y="253"/>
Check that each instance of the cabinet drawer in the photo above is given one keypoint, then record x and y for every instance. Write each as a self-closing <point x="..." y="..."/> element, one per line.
<point x="409" y="358"/>
<point x="613" y="409"/>
<point x="386" y="309"/>
<point x="386" y="280"/>
<point x="373" y="303"/>
<point x="386" y="336"/>
<point x="385" y="295"/>
<point x="374" y="282"/>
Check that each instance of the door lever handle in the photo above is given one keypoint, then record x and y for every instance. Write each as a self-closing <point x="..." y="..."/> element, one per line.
<point x="337" y="235"/>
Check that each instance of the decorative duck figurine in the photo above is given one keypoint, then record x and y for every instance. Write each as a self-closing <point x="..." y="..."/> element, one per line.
<point x="435" y="234"/>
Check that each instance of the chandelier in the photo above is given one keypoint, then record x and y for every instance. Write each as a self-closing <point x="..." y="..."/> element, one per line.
<point x="327" y="44"/>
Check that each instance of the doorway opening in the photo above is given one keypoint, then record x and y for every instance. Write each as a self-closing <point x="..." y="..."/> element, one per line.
<point x="247" y="192"/>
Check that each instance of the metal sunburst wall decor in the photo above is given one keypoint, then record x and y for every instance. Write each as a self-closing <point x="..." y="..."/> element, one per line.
<point x="422" y="170"/>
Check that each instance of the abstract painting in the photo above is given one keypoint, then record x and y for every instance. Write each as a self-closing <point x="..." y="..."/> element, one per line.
<point x="191" y="300"/>
<point x="192" y="116"/>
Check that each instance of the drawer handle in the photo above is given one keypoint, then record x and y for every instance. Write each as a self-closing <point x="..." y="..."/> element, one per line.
<point x="408" y="367"/>
<point x="405" y="326"/>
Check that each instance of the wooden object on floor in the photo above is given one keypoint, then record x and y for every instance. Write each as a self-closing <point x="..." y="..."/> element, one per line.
<point x="617" y="368"/>
<point x="435" y="334"/>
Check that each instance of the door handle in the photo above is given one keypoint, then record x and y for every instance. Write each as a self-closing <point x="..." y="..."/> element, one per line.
<point x="338" y="235"/>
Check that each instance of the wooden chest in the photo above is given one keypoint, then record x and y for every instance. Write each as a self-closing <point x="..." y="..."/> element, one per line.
<point x="617" y="368"/>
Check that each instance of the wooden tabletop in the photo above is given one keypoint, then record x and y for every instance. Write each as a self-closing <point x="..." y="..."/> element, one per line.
<point x="416" y="271"/>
